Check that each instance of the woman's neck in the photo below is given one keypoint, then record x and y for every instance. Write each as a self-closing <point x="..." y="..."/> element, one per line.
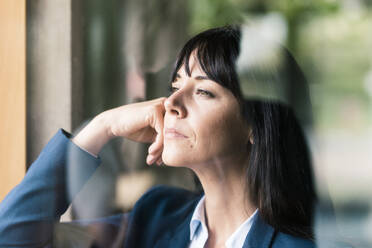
<point x="227" y="203"/>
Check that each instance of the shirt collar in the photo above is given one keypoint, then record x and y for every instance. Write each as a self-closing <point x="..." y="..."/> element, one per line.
<point x="197" y="225"/>
<point x="198" y="218"/>
<point x="238" y="237"/>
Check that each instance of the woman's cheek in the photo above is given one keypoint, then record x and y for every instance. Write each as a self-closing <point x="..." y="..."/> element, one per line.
<point x="178" y="152"/>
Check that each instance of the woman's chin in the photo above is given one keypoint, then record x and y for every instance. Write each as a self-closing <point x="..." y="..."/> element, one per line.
<point x="172" y="160"/>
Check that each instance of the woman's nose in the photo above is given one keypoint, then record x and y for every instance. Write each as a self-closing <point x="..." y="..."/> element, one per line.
<point x="175" y="105"/>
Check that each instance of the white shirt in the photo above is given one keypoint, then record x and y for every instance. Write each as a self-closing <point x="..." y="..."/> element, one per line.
<point x="199" y="231"/>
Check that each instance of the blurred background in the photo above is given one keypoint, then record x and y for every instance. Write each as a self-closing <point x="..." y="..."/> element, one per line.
<point x="86" y="56"/>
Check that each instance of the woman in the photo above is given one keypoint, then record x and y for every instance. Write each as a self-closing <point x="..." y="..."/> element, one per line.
<point x="250" y="157"/>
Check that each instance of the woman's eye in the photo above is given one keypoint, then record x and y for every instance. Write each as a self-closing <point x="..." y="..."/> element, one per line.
<point x="204" y="93"/>
<point x="172" y="89"/>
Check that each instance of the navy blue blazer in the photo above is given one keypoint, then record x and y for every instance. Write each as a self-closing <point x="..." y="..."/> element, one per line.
<point x="161" y="218"/>
<point x="29" y="215"/>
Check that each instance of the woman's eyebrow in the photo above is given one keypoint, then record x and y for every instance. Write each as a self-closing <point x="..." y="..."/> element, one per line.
<point x="196" y="77"/>
<point x="201" y="78"/>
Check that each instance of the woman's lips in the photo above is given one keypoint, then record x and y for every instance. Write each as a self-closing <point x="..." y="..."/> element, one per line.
<point x="173" y="133"/>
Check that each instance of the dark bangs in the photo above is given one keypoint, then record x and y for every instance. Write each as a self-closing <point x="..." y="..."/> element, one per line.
<point x="216" y="51"/>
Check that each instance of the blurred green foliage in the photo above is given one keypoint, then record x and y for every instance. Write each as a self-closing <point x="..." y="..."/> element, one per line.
<point x="211" y="13"/>
<point x="329" y="38"/>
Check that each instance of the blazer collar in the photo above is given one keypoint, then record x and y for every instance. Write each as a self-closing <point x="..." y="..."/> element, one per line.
<point x="260" y="235"/>
<point x="180" y="236"/>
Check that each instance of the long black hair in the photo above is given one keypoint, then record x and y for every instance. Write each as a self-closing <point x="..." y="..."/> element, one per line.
<point x="279" y="177"/>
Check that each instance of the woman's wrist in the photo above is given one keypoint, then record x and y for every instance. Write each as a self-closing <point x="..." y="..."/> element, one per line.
<point x="94" y="135"/>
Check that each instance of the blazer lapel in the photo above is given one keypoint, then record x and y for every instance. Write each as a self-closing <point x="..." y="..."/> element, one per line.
<point x="180" y="237"/>
<point x="260" y="235"/>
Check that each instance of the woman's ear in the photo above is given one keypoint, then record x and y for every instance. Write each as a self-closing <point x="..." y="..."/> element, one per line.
<point x="250" y="136"/>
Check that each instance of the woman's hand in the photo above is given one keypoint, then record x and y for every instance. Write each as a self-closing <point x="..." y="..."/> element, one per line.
<point x="141" y="122"/>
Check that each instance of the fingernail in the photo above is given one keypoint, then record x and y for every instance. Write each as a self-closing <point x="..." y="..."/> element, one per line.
<point x="150" y="149"/>
<point x="150" y="159"/>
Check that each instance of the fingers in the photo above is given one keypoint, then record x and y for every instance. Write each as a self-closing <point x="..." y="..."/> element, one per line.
<point x="154" y="158"/>
<point x="150" y="160"/>
<point x="155" y="151"/>
<point x="156" y="148"/>
<point x="159" y="123"/>
<point x="157" y="143"/>
<point x="143" y="122"/>
<point x="159" y="161"/>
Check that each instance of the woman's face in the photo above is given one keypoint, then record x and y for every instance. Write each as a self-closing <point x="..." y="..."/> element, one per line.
<point x="202" y="122"/>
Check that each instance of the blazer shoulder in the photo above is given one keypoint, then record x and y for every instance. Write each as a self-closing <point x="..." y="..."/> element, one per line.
<point x="160" y="211"/>
<point x="287" y="240"/>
